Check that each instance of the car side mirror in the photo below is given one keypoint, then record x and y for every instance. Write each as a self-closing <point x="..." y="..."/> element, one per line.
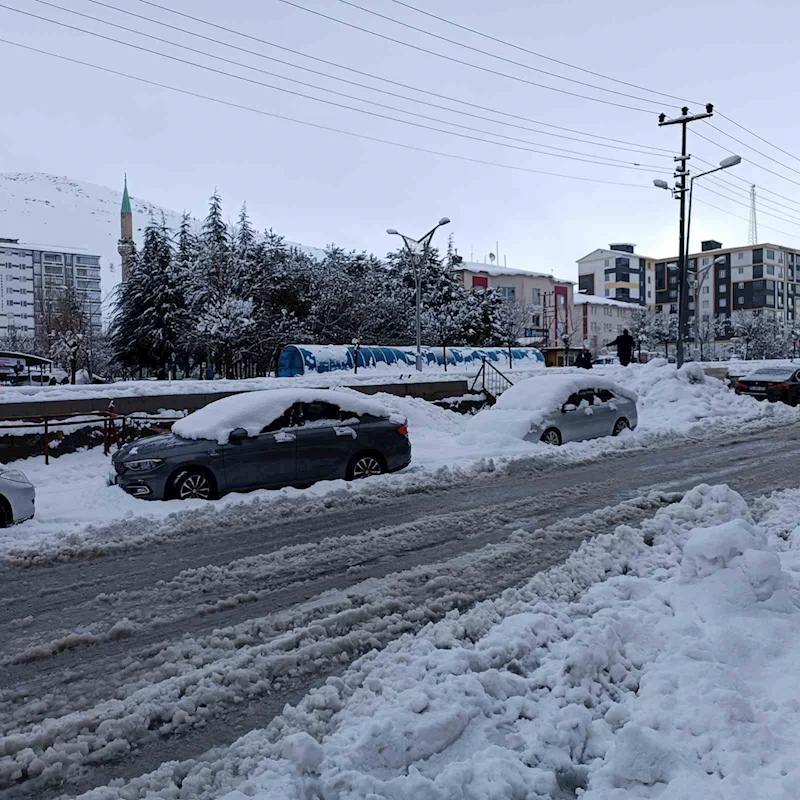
<point x="237" y="435"/>
<point x="568" y="407"/>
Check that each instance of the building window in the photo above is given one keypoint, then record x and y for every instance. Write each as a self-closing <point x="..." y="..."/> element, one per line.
<point x="608" y="292"/>
<point x="770" y="255"/>
<point x="706" y="290"/>
<point x="508" y="292"/>
<point x="705" y="303"/>
<point x="740" y="300"/>
<point x="606" y="263"/>
<point x="770" y="269"/>
<point x="479" y="283"/>
<point x="723" y="273"/>
<point x="706" y="262"/>
<point x="723" y="288"/>
<point x="741" y="269"/>
<point x="723" y="302"/>
<point x="649" y="295"/>
<point x="536" y="297"/>
<point x="740" y="256"/>
<point x="649" y="279"/>
<point x="673" y="309"/>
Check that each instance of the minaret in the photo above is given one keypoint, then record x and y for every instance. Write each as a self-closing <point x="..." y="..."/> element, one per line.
<point x="126" y="247"/>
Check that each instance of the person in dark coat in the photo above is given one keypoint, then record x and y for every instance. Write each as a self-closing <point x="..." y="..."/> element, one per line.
<point x="584" y="359"/>
<point x="624" y="343"/>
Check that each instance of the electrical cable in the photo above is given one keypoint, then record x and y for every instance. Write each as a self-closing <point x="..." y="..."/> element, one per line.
<point x="207" y="68"/>
<point x="315" y="125"/>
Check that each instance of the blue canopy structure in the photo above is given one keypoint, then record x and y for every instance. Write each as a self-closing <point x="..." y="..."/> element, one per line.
<point x="304" y="359"/>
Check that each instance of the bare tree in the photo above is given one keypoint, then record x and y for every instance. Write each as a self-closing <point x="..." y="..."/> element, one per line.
<point x="64" y="328"/>
<point x="509" y="321"/>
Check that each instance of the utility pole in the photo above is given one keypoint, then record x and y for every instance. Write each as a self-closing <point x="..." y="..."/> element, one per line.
<point x="681" y="173"/>
<point x="752" y="231"/>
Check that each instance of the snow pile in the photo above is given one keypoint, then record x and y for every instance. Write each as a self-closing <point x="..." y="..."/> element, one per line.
<point x="631" y="671"/>
<point x="528" y="403"/>
<point x="253" y="411"/>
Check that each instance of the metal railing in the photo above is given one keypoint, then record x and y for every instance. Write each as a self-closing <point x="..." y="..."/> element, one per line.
<point x="116" y="428"/>
<point x="491" y="380"/>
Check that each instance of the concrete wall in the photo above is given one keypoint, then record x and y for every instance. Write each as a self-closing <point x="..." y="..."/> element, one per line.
<point x="433" y="390"/>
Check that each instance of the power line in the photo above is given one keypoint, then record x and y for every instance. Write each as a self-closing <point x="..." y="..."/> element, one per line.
<point x="754" y="163"/>
<point x="750" y="147"/>
<point x="717" y="181"/>
<point x="541" y="55"/>
<point x="344" y="94"/>
<point x="461" y="61"/>
<point x="493" y="55"/>
<point x="737" y="216"/>
<point x="351" y="70"/>
<point x="316" y="125"/>
<point x="747" y="205"/>
<point x="752" y="133"/>
<point x="619" y="165"/>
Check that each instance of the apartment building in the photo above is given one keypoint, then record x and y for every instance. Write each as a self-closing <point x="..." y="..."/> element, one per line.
<point x="603" y="319"/>
<point x="762" y="278"/>
<point x="16" y="290"/>
<point x="548" y="298"/>
<point x="32" y="277"/>
<point x="619" y="273"/>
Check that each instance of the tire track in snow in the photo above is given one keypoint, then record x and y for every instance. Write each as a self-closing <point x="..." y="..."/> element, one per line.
<point x="199" y="677"/>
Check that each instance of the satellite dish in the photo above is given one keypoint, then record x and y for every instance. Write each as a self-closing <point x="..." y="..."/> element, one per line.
<point x="492" y="257"/>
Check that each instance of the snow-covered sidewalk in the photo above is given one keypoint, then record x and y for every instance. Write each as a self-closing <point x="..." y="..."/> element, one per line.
<point x="76" y="508"/>
<point x="656" y="662"/>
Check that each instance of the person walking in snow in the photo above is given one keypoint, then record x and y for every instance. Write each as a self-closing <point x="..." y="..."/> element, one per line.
<point x="584" y="359"/>
<point x="624" y="343"/>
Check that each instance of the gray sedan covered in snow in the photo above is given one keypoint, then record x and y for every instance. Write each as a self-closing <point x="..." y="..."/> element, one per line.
<point x="555" y="409"/>
<point x="265" y="440"/>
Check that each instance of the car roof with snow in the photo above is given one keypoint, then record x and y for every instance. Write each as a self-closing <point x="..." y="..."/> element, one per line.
<point x="253" y="411"/>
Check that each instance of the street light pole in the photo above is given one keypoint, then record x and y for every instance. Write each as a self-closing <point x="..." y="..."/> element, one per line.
<point x="418" y="253"/>
<point x="680" y="191"/>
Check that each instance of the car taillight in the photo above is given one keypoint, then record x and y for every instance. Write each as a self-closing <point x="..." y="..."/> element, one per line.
<point x="741" y="386"/>
<point x="781" y="387"/>
<point x="403" y="430"/>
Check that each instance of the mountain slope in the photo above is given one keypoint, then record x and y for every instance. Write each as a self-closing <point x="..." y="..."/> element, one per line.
<point x="43" y="209"/>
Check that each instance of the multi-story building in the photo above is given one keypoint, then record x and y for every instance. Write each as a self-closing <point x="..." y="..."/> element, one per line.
<point x="548" y="299"/>
<point x="33" y="277"/>
<point x="603" y="319"/>
<point x="619" y="273"/>
<point x="762" y="278"/>
<point x="16" y="290"/>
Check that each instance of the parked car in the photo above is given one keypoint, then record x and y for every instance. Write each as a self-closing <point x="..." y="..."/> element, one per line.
<point x="555" y="409"/>
<point x="265" y="440"/>
<point x="773" y="384"/>
<point x="602" y="361"/>
<point x="17" y="497"/>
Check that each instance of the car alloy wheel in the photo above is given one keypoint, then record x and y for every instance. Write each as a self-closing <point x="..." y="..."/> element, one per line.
<point x="619" y="426"/>
<point x="366" y="467"/>
<point x="194" y="486"/>
<point x="551" y="437"/>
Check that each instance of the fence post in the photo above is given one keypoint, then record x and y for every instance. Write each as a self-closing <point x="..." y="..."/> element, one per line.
<point x="46" y="444"/>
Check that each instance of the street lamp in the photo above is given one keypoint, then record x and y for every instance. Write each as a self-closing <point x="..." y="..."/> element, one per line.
<point x="726" y="163"/>
<point x="418" y="253"/>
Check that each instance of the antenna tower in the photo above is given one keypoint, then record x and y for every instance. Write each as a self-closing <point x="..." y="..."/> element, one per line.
<point x="752" y="234"/>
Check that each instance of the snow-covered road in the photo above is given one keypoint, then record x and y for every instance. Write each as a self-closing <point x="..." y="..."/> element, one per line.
<point x="113" y="663"/>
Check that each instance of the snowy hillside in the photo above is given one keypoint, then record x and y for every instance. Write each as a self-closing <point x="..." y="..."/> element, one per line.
<point x="38" y="208"/>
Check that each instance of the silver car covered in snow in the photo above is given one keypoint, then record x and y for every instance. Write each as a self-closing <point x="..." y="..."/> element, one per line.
<point x="17" y="496"/>
<point x="555" y="409"/>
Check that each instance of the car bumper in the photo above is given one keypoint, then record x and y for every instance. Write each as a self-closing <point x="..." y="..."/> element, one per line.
<point x="398" y="461"/>
<point x="23" y="502"/>
<point x="146" y="486"/>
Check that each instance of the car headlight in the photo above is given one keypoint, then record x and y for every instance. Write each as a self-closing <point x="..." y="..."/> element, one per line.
<point x="144" y="464"/>
<point x="15" y="475"/>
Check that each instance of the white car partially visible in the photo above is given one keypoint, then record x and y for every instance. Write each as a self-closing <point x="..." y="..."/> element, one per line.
<point x="17" y="497"/>
<point x="555" y="409"/>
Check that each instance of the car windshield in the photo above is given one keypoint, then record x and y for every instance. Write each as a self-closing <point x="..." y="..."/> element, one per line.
<point x="772" y="374"/>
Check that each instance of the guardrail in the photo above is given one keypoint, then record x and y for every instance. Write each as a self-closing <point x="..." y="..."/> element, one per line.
<point x="115" y="427"/>
<point x="491" y="380"/>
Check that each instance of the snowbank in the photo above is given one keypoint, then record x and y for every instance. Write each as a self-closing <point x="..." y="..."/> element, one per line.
<point x="631" y="671"/>
<point x="253" y="411"/>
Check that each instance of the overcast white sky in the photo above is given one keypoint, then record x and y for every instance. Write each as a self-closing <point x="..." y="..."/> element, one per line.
<point x="319" y="187"/>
